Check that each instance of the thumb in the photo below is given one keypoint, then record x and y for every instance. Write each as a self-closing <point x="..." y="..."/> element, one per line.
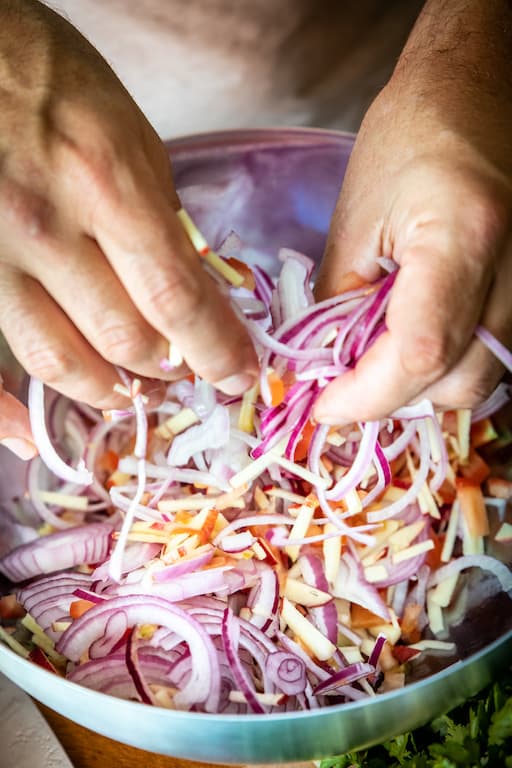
<point x="15" y="431"/>
<point x="353" y="245"/>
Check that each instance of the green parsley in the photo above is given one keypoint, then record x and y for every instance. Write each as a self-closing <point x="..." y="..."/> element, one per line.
<point x="477" y="734"/>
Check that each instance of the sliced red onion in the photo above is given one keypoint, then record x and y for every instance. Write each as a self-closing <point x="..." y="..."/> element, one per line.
<point x="485" y="562"/>
<point x="57" y="551"/>
<point x="231" y="640"/>
<point x="43" y="510"/>
<point x="496" y="347"/>
<point x="293" y="284"/>
<point x="180" y="587"/>
<point x="141" y="437"/>
<point x="287" y="671"/>
<point x="58" y="583"/>
<point x="494" y="402"/>
<point x="213" y="432"/>
<point x="263" y="599"/>
<point x="86" y="594"/>
<point x="44" y="445"/>
<point x="205" y="398"/>
<point x="237" y="542"/>
<point x="325" y="617"/>
<point x="248" y="521"/>
<point x="135" y="555"/>
<point x="201" y="557"/>
<point x="345" y="676"/>
<point x="203" y="687"/>
<point x="351" y="585"/>
<point x="133" y="666"/>
<point x="360" y="466"/>
<point x="374" y="657"/>
<point x="410" y="496"/>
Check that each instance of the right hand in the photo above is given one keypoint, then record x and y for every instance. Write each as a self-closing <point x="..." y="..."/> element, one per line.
<point x="95" y="268"/>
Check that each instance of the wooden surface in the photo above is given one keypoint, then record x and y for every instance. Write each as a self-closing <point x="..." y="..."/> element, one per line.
<point x="90" y="750"/>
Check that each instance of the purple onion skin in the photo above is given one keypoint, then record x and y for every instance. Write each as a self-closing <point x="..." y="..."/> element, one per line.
<point x="85" y="544"/>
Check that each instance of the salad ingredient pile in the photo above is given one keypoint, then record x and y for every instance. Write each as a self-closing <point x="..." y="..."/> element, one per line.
<point x="227" y="554"/>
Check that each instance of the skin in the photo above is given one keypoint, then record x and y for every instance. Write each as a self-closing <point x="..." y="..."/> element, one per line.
<point x="429" y="185"/>
<point x="96" y="271"/>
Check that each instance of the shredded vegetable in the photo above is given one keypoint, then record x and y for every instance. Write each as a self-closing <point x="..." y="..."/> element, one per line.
<point x="228" y="554"/>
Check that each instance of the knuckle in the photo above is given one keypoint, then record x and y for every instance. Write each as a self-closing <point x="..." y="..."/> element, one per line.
<point x="51" y="364"/>
<point x="122" y="343"/>
<point x="91" y="166"/>
<point x="487" y="214"/>
<point x="178" y="298"/>
<point x="473" y="391"/>
<point x="26" y="211"/>
<point x="427" y="355"/>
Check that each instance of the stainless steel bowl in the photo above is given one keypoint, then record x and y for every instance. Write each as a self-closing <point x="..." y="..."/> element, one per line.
<point x="275" y="188"/>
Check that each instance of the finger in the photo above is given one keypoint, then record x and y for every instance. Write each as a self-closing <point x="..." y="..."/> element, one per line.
<point x="48" y="345"/>
<point x="430" y="322"/>
<point x="154" y="259"/>
<point x="475" y="377"/>
<point x="15" y="433"/>
<point x="355" y="233"/>
<point x="81" y="281"/>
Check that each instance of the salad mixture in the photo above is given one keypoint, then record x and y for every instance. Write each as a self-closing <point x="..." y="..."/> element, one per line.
<point x="223" y="554"/>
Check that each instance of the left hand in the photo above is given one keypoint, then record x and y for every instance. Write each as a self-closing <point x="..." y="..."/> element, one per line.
<point x="429" y="185"/>
<point x="15" y="431"/>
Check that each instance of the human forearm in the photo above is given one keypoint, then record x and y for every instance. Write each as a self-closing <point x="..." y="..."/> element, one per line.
<point x="429" y="185"/>
<point x="456" y="70"/>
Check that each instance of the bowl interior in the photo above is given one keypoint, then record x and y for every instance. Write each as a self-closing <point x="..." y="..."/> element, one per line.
<point x="274" y="188"/>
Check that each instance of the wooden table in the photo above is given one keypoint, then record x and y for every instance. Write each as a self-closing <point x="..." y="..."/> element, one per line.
<point x="90" y="750"/>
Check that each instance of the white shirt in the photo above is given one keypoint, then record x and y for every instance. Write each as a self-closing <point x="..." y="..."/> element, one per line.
<point x="200" y="65"/>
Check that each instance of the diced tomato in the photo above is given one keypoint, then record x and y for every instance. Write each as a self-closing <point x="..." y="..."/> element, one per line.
<point x="476" y="469"/>
<point x="277" y="388"/>
<point x="39" y="657"/>
<point x="208" y="526"/>
<point x="398" y="482"/>
<point x="403" y="653"/>
<point x="433" y="558"/>
<point x="472" y="505"/>
<point x="108" y="462"/>
<point x="79" y="607"/>
<point x="409" y="623"/>
<point x="362" y="618"/>
<point x="447" y="493"/>
<point x="301" y="450"/>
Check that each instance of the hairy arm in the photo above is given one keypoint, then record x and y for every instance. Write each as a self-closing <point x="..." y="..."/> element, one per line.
<point x="429" y="184"/>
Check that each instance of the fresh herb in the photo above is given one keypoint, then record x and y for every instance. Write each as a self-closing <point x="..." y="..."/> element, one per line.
<point x="478" y="733"/>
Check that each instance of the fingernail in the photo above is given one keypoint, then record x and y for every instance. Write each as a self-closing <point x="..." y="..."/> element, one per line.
<point x="236" y="385"/>
<point x="324" y="415"/>
<point x="24" y="449"/>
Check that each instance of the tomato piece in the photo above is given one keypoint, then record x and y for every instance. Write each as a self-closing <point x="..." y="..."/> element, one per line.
<point x="302" y="447"/>
<point x="79" y="607"/>
<point x="476" y="469"/>
<point x="472" y="505"/>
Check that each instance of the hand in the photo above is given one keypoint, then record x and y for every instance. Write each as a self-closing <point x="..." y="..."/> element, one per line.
<point x="429" y="185"/>
<point x="15" y="431"/>
<point x="95" y="268"/>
